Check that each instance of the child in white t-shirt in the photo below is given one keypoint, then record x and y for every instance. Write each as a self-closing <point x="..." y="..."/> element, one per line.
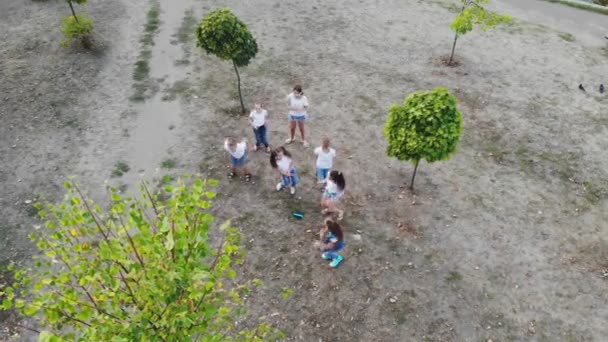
<point x="237" y="152"/>
<point x="297" y="104"/>
<point x="325" y="160"/>
<point x="258" y="118"/>
<point x="280" y="159"/>
<point x="332" y="194"/>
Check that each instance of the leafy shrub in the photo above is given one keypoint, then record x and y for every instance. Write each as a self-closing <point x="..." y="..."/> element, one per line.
<point x="77" y="27"/>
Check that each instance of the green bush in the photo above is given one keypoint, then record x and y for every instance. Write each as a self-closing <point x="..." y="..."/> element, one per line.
<point x="77" y="27"/>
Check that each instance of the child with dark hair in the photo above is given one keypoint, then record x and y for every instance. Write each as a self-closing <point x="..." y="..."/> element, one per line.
<point x="237" y="152"/>
<point x="280" y="159"/>
<point x="331" y="242"/>
<point x="333" y="191"/>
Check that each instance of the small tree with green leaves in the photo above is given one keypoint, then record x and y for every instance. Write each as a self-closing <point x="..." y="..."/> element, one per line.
<point x="221" y="33"/>
<point x="143" y="270"/>
<point x="426" y="126"/>
<point x="474" y="13"/>
<point x="77" y="26"/>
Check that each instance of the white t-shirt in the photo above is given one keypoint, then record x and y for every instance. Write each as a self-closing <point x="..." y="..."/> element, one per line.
<point x="332" y="188"/>
<point x="325" y="160"/>
<point x="299" y="103"/>
<point x="239" y="151"/>
<point x="283" y="164"/>
<point x="258" y="119"/>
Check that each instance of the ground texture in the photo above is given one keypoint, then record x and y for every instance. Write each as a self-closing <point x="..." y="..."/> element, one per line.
<point x="508" y="240"/>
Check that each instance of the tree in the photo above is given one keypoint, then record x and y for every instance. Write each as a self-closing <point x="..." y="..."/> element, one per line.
<point x="474" y="13"/>
<point x="221" y="33"/>
<point x="80" y="2"/>
<point x="77" y="26"/>
<point x="426" y="126"/>
<point x="144" y="270"/>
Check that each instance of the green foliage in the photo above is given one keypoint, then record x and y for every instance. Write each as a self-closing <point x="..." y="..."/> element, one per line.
<point x="473" y="14"/>
<point x="221" y="33"/>
<point x="79" y="29"/>
<point x="144" y="270"/>
<point x="120" y="168"/>
<point x="426" y="126"/>
<point x="80" y="2"/>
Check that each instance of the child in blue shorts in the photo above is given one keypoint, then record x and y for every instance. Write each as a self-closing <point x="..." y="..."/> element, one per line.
<point x="332" y="241"/>
<point x="237" y="152"/>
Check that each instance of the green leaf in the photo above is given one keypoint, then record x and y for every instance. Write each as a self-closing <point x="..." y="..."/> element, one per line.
<point x="170" y="243"/>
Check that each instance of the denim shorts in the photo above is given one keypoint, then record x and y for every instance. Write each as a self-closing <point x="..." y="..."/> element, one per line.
<point x="297" y="118"/>
<point x="292" y="180"/>
<point x="239" y="162"/>
<point x="334" y="196"/>
<point x="322" y="174"/>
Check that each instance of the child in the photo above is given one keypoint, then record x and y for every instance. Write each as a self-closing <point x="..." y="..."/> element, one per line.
<point x="334" y="190"/>
<point x="258" y="118"/>
<point x="280" y="159"/>
<point x="325" y="160"/>
<point x="332" y="241"/>
<point x="237" y="151"/>
<point x="297" y="104"/>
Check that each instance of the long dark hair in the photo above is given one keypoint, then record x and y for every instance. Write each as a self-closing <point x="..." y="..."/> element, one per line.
<point x="275" y="152"/>
<point x="338" y="178"/>
<point x="335" y="229"/>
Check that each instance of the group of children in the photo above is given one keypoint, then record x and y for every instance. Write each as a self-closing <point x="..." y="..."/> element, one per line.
<point x="332" y="181"/>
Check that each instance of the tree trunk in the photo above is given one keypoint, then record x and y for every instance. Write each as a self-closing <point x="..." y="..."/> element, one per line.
<point x="73" y="13"/>
<point x="453" y="48"/>
<point x="238" y="78"/>
<point x="414" y="175"/>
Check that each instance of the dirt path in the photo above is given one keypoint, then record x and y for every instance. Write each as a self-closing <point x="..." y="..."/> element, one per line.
<point x="589" y="27"/>
<point x="505" y="241"/>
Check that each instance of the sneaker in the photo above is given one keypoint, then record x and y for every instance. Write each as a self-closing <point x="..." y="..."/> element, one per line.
<point x="337" y="260"/>
<point x="292" y="190"/>
<point x="279" y="186"/>
<point x="304" y="143"/>
<point x="289" y="141"/>
<point x="325" y="256"/>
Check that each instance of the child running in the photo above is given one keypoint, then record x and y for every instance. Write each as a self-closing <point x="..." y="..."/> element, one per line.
<point x="258" y="118"/>
<point x="237" y="151"/>
<point x="280" y="159"/>
<point x="325" y="160"/>
<point x="333" y="191"/>
<point x="332" y="241"/>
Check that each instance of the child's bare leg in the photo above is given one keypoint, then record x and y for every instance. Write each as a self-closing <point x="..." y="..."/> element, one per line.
<point x="302" y="130"/>
<point x="292" y="129"/>
<point x="245" y="170"/>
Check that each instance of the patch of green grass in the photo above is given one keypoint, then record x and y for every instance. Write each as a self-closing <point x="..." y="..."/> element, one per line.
<point x="594" y="193"/>
<point x="181" y="89"/>
<point x="581" y="5"/>
<point x="168" y="163"/>
<point x="566" y="36"/>
<point x="141" y="73"/>
<point x="453" y="277"/>
<point x="186" y="30"/>
<point x="142" y="70"/>
<point x="120" y="168"/>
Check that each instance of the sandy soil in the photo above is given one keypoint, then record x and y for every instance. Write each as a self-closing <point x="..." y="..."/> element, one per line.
<point x="506" y="241"/>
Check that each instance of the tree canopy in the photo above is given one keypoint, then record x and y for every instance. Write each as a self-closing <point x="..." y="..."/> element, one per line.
<point x="142" y="270"/>
<point x="426" y="126"/>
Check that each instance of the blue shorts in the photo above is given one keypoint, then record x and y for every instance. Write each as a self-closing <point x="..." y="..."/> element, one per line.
<point x="334" y="196"/>
<point x="297" y="118"/>
<point x="291" y="180"/>
<point x="322" y="174"/>
<point x="335" y="248"/>
<point x="239" y="162"/>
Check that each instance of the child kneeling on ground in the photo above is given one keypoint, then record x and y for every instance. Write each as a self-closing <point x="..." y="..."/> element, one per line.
<point x="237" y="152"/>
<point x="332" y="241"/>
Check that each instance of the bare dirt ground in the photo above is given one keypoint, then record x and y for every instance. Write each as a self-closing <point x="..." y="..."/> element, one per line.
<point x="506" y="241"/>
